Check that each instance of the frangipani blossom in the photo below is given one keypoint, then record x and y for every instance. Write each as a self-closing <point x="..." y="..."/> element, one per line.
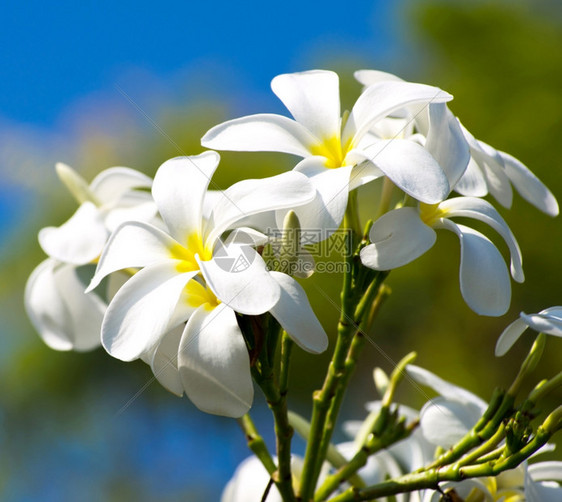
<point x="434" y="127"/>
<point x="338" y="153"/>
<point x="402" y="235"/>
<point x="548" y="321"/>
<point x="444" y="420"/>
<point x="183" y="279"/>
<point x="107" y="201"/>
<point x="489" y="170"/>
<point x="65" y="317"/>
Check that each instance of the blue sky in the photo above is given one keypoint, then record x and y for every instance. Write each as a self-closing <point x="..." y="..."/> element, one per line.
<point x="57" y="53"/>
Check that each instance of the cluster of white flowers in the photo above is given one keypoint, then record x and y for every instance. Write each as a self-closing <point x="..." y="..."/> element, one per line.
<point x="165" y="270"/>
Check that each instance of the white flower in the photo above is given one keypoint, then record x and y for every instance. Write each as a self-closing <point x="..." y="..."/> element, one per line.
<point x="433" y="126"/>
<point x="339" y="153"/>
<point x="445" y="420"/>
<point x="402" y="235"/>
<point x="547" y="321"/>
<point x="184" y="278"/>
<point x="65" y="317"/>
<point x="489" y="170"/>
<point x="107" y="201"/>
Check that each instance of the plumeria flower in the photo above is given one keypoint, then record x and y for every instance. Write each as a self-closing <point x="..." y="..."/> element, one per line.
<point x="338" y="152"/>
<point x="188" y="275"/>
<point x="402" y="235"/>
<point x="445" y="419"/>
<point x="488" y="171"/>
<point x="65" y="317"/>
<point x="111" y="198"/>
<point x="434" y="127"/>
<point x="548" y="321"/>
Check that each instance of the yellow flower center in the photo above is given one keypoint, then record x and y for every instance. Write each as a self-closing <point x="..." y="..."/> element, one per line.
<point x="332" y="149"/>
<point x="196" y="295"/>
<point x="186" y="255"/>
<point x="430" y="213"/>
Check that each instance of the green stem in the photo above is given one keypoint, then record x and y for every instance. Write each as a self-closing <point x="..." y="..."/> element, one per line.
<point x="256" y="443"/>
<point x="545" y="387"/>
<point x="431" y="478"/>
<point x="286" y="348"/>
<point x="374" y="295"/>
<point x="321" y="400"/>
<point x="277" y="403"/>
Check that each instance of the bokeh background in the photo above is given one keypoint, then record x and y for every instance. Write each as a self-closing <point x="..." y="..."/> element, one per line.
<point x="98" y="84"/>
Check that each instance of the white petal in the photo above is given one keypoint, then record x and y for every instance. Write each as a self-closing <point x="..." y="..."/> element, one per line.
<point x="479" y="209"/>
<point x="133" y="245"/>
<point x="179" y="189"/>
<point x="297" y="318"/>
<point x="446" y="142"/>
<point x="313" y="99"/>
<point x="214" y="363"/>
<point x="492" y="167"/>
<point x="472" y="182"/>
<point x="410" y="167"/>
<point x="45" y="307"/>
<point x="370" y="77"/>
<point x="547" y="321"/>
<point x="444" y="422"/>
<point x="239" y="278"/>
<point x="78" y="241"/>
<point x="529" y="186"/>
<point x="75" y="183"/>
<point x="509" y="336"/>
<point x="444" y="388"/>
<point x="164" y="361"/>
<point x="86" y="310"/>
<point x="364" y="171"/>
<point x="484" y="278"/>
<point x="324" y="214"/>
<point x="248" y="484"/>
<point x="139" y="314"/>
<point x="381" y="99"/>
<point x="249" y="197"/>
<point x="134" y="206"/>
<point x="398" y="237"/>
<point x="264" y="132"/>
<point x="63" y="315"/>
<point x="543" y="482"/>
<point x="112" y="183"/>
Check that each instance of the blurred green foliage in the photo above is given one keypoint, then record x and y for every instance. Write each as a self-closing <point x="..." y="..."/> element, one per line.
<point x="501" y="61"/>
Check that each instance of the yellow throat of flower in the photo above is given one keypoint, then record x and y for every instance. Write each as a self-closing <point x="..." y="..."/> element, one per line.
<point x="186" y="255"/>
<point x="196" y="295"/>
<point x="431" y="213"/>
<point x="332" y="149"/>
